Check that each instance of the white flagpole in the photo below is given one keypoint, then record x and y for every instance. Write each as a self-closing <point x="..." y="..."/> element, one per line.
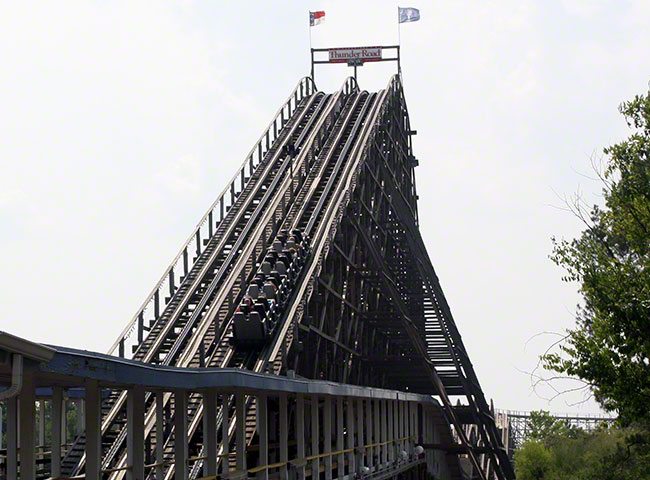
<point x="311" y="53"/>
<point x="399" y="31"/>
<point x="309" y="26"/>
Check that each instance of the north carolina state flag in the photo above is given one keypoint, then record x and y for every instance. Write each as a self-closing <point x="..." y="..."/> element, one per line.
<point x="316" y="17"/>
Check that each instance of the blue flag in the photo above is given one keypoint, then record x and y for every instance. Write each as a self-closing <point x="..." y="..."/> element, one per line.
<point x="408" y="14"/>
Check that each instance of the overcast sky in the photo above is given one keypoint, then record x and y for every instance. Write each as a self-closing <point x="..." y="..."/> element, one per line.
<point x="122" y="121"/>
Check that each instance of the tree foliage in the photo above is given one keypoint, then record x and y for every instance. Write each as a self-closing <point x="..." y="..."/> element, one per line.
<point x="555" y="451"/>
<point x="610" y="346"/>
<point x="544" y="428"/>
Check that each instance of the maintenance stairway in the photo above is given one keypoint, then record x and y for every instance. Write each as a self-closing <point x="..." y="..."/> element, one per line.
<point x="309" y="267"/>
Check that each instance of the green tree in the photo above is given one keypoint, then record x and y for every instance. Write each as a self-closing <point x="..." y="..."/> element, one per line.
<point x="610" y="346"/>
<point x="573" y="454"/>
<point x="532" y="461"/>
<point x="545" y="428"/>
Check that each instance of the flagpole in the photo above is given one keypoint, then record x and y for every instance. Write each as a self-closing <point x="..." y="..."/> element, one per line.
<point x="311" y="52"/>
<point x="399" y="30"/>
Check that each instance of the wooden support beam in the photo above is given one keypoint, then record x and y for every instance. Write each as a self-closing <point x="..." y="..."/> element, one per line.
<point x="240" y="419"/>
<point x="340" y="458"/>
<point x="93" y="423"/>
<point x="360" y="435"/>
<point x="300" y="436"/>
<point x="57" y="414"/>
<point x="315" y="435"/>
<point x="225" y="437"/>
<point x="180" y="435"/>
<point x="27" y="428"/>
<point x="262" y="421"/>
<point x="210" y="433"/>
<point x="369" y="435"/>
<point x="350" y="444"/>
<point x="135" y="433"/>
<point x="377" y="431"/>
<point x="160" y="428"/>
<point x="284" y="436"/>
<point x="327" y="435"/>
<point x="391" y="430"/>
<point x="12" y="437"/>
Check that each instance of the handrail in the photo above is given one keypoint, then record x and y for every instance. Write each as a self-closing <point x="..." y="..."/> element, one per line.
<point x="206" y="225"/>
<point x="261" y="468"/>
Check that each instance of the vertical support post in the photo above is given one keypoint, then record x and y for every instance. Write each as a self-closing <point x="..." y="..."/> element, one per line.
<point x="156" y="304"/>
<point x="180" y="434"/>
<point x="312" y="64"/>
<point x="369" y="435"/>
<point x="140" y="327"/>
<point x="210" y="433"/>
<point x="64" y="419"/>
<point x="262" y="420"/>
<point x="412" y="407"/>
<point x="81" y="415"/>
<point x="284" y="437"/>
<point x="172" y="287"/>
<point x="349" y="407"/>
<point x="404" y="422"/>
<point x="135" y="433"/>
<point x="41" y="428"/>
<point x="300" y="435"/>
<point x="315" y="436"/>
<point x="391" y="431"/>
<point x="93" y="423"/>
<point x="377" y="432"/>
<point x="240" y="417"/>
<point x="384" y="432"/>
<point x="327" y="435"/>
<point x="57" y="404"/>
<point x="160" y="432"/>
<point x="360" y="435"/>
<point x="340" y="458"/>
<point x="26" y="420"/>
<point x="225" y="437"/>
<point x="12" y="437"/>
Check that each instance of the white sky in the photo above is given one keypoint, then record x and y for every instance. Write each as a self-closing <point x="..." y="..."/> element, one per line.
<point x="123" y="120"/>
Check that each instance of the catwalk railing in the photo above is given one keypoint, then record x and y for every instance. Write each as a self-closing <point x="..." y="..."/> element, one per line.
<point x="303" y="426"/>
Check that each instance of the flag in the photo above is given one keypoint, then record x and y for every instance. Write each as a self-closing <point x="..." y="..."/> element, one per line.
<point x="316" y="17"/>
<point x="408" y="14"/>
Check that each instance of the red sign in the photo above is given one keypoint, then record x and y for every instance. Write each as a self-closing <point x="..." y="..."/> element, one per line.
<point x="364" y="54"/>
